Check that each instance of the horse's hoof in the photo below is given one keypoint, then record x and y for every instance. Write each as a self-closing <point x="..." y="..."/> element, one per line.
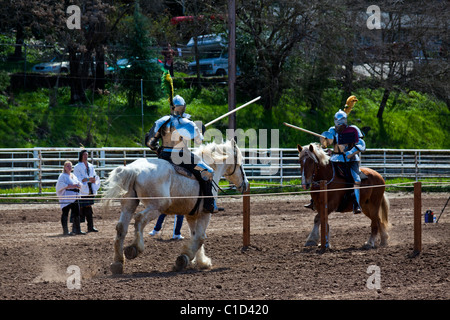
<point x="116" y="268"/>
<point x="181" y="262"/>
<point x="327" y="246"/>
<point x="310" y="243"/>
<point x="131" y="252"/>
<point x="368" y="246"/>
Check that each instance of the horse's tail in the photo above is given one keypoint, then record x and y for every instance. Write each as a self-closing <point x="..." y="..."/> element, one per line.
<point x="119" y="182"/>
<point x="384" y="211"/>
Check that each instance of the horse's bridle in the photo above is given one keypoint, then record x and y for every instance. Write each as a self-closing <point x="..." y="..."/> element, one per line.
<point x="234" y="169"/>
<point x="316" y="166"/>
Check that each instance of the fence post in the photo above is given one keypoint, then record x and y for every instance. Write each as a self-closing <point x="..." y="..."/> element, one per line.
<point x="416" y="162"/>
<point x="40" y="171"/>
<point x="102" y="163"/>
<point x="281" y="166"/>
<point x="323" y="216"/>
<point x="246" y="214"/>
<point x="417" y="217"/>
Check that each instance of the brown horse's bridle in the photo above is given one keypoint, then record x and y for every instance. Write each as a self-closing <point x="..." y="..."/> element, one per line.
<point x="316" y="167"/>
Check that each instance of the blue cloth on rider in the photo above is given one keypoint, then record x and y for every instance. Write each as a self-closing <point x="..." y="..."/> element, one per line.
<point x="185" y="127"/>
<point x="351" y="133"/>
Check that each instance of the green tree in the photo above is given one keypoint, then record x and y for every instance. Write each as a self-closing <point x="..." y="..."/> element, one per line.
<point x="269" y="31"/>
<point x="137" y="44"/>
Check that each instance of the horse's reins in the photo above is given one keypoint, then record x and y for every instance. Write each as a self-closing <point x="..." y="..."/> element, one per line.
<point x="216" y="185"/>
<point x="316" y="165"/>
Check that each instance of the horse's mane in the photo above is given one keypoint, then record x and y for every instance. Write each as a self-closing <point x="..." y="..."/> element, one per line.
<point x="218" y="152"/>
<point x="320" y="154"/>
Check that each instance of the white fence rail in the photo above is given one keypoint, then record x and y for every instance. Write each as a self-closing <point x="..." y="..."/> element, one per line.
<point x="40" y="167"/>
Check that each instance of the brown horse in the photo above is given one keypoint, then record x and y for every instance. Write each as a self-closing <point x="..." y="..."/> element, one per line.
<point x="315" y="166"/>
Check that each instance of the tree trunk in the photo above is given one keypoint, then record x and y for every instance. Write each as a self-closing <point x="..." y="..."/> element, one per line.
<point x="77" y="83"/>
<point x="19" y="44"/>
<point x="100" y="69"/>
<point x="197" y="63"/>
<point x="347" y="84"/>
<point x="383" y="103"/>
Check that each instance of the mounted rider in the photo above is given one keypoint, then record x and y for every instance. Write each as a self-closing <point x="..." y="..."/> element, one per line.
<point x="175" y="130"/>
<point x="348" y="143"/>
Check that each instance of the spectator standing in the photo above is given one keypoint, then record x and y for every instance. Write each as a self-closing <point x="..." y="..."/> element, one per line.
<point x="90" y="183"/>
<point x="67" y="190"/>
<point x="168" y="54"/>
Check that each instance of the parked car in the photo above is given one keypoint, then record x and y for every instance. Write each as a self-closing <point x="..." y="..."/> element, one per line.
<point x="214" y="66"/>
<point x="56" y="65"/>
<point x="126" y="63"/>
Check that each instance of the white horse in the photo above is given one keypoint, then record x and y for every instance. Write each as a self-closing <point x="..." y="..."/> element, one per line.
<point x="159" y="187"/>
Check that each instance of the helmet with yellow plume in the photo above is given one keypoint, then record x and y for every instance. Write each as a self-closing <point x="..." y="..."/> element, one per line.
<point x="349" y="104"/>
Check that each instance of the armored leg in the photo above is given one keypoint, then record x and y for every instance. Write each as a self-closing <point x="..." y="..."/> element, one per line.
<point x="209" y="203"/>
<point x="354" y="169"/>
<point x="357" y="203"/>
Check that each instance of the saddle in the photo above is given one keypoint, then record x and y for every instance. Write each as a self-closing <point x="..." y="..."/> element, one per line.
<point x="183" y="171"/>
<point x="343" y="170"/>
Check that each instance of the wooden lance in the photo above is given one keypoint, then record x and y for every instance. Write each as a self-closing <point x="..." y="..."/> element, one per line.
<point x="232" y="111"/>
<point x="304" y="130"/>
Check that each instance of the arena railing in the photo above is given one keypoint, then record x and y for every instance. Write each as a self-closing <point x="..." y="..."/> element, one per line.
<point x="40" y="167"/>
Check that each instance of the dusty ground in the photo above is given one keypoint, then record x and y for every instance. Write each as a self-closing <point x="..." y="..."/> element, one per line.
<point x="34" y="256"/>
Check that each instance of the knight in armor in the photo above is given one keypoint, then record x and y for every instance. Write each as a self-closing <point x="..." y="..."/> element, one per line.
<point x="175" y="130"/>
<point x="348" y="143"/>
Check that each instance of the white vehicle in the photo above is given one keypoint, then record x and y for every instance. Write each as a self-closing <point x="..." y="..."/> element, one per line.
<point x="215" y="66"/>
<point x="209" y="42"/>
<point x="54" y="66"/>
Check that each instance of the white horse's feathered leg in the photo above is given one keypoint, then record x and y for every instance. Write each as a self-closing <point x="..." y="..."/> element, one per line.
<point x="194" y="248"/>
<point x="140" y="221"/>
<point x="128" y="208"/>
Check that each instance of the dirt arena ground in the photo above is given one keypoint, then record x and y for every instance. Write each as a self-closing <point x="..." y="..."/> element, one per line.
<point x="34" y="256"/>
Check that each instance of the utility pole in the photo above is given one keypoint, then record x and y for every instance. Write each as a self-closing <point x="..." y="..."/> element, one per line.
<point x="232" y="63"/>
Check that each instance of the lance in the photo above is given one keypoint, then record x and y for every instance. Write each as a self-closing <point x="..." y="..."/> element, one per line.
<point x="232" y="111"/>
<point x="304" y="130"/>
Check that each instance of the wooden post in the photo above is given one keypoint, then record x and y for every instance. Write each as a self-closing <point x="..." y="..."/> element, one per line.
<point x="246" y="212"/>
<point x="232" y="63"/>
<point x="417" y="217"/>
<point x="323" y="215"/>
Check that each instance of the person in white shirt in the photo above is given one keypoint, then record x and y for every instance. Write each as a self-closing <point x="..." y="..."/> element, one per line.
<point x="90" y="183"/>
<point x="67" y="190"/>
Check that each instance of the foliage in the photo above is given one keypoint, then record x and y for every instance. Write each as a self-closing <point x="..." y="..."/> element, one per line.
<point x="412" y="120"/>
<point x="137" y="42"/>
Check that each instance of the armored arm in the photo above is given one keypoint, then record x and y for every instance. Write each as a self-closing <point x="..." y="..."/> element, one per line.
<point x="198" y="136"/>
<point x="152" y="137"/>
<point x="359" y="147"/>
<point x="329" y="137"/>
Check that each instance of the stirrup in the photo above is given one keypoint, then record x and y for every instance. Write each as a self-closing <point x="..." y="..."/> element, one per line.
<point x="356" y="209"/>
<point x="212" y="209"/>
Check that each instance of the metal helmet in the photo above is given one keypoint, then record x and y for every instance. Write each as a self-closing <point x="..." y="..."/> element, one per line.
<point x="178" y="107"/>
<point x="340" y="120"/>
